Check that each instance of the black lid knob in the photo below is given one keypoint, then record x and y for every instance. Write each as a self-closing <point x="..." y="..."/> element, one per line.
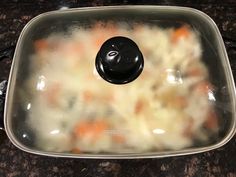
<point x="119" y="60"/>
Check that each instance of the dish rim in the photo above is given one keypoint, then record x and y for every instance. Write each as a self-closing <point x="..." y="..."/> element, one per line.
<point x="224" y="58"/>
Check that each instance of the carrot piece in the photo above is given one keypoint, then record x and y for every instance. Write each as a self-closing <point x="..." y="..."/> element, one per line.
<point x="111" y="28"/>
<point x="98" y="25"/>
<point x="99" y="126"/>
<point x="139" y="106"/>
<point x="78" y="47"/>
<point x="82" y="129"/>
<point x="87" y="95"/>
<point x="118" y="138"/>
<point x="40" y="45"/>
<point x="102" y="32"/>
<point x="108" y="27"/>
<point x="182" y="32"/>
<point x="52" y="94"/>
<point x="109" y="97"/>
<point x="94" y="129"/>
<point x="138" y="28"/>
<point x="76" y="150"/>
<point x="203" y="87"/>
<point x="98" y="33"/>
<point x="195" y="72"/>
<point x="73" y="48"/>
<point x="99" y="41"/>
<point x="178" y="102"/>
<point x="211" y="121"/>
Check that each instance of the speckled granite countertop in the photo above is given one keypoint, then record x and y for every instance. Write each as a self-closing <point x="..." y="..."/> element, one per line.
<point x="14" y="14"/>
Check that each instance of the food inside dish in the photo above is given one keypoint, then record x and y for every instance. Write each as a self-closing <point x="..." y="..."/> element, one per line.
<point x="72" y="109"/>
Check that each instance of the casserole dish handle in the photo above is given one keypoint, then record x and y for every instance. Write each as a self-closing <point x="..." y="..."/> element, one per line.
<point x="4" y="54"/>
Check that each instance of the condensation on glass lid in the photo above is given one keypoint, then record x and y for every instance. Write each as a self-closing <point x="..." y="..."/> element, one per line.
<point x="168" y="107"/>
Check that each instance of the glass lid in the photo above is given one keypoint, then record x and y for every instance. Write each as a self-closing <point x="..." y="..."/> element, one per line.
<point x="120" y="80"/>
